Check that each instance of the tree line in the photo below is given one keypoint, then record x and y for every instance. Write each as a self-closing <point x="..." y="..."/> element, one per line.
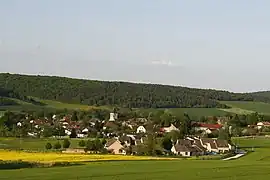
<point x="123" y="94"/>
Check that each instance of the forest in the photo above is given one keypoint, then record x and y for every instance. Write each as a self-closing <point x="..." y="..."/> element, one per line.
<point x="123" y="94"/>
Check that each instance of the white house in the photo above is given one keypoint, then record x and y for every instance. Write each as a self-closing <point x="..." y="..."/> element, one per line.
<point x="182" y="150"/>
<point x="213" y="145"/>
<point x="19" y="124"/>
<point x="141" y="129"/>
<point x="169" y="129"/>
<point x="80" y="135"/>
<point x="67" y="132"/>
<point x="263" y="124"/>
<point x="85" y="130"/>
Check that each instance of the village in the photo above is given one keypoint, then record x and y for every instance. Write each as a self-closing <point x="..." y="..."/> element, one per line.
<point x="132" y="136"/>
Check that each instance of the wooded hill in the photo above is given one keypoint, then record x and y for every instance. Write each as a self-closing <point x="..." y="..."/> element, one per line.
<point x="124" y="94"/>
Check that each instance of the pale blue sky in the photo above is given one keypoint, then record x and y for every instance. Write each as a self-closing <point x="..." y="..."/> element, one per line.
<point x="221" y="44"/>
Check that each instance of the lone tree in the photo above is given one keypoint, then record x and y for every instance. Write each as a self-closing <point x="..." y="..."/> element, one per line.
<point x="48" y="146"/>
<point x="66" y="143"/>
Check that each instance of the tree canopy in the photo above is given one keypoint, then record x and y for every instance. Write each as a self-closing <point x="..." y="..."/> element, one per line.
<point x="123" y="94"/>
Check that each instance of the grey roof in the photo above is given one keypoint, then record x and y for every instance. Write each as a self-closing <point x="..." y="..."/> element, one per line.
<point x="212" y="143"/>
<point x="184" y="142"/>
<point x="183" y="148"/>
<point x="222" y="143"/>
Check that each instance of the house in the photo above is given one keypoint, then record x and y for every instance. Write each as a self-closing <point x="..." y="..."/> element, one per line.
<point x="209" y="144"/>
<point x="188" y="147"/>
<point x="263" y="124"/>
<point x="110" y="125"/>
<point x="19" y="124"/>
<point x="207" y="128"/>
<point x="141" y="129"/>
<point x="216" y="145"/>
<point x="169" y="129"/>
<point x="67" y="132"/>
<point x="183" y="150"/>
<point x="223" y="146"/>
<point x="115" y="146"/>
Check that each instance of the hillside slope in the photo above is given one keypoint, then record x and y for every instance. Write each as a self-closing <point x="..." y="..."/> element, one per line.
<point x="123" y="94"/>
<point x="265" y="94"/>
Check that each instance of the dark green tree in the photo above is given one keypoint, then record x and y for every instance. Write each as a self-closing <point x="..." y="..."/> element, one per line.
<point x="48" y="146"/>
<point x="167" y="143"/>
<point x="73" y="133"/>
<point x="66" y="143"/>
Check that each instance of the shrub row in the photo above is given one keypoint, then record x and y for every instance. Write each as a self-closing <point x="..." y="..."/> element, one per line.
<point x="24" y="164"/>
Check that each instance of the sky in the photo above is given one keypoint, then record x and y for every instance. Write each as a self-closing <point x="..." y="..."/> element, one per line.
<point x="220" y="44"/>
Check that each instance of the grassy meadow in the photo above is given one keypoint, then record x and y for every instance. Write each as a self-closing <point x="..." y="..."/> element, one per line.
<point x="255" y="165"/>
<point x="32" y="143"/>
<point x="237" y="107"/>
<point x="242" y="107"/>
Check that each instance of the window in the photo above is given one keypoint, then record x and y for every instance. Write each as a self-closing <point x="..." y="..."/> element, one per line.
<point x="186" y="153"/>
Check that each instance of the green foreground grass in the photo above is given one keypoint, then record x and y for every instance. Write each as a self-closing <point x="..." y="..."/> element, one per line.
<point x="255" y="165"/>
<point x="246" y="168"/>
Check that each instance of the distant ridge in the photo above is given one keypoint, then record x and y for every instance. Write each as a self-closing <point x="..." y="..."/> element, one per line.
<point x="124" y="94"/>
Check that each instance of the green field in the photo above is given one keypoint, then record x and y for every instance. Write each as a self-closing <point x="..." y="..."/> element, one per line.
<point x="248" y="107"/>
<point x="32" y="144"/>
<point x="49" y="105"/>
<point x="193" y="112"/>
<point x="255" y="165"/>
<point x="237" y="107"/>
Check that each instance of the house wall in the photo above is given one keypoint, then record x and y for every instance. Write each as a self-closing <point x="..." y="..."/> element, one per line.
<point x="210" y="149"/>
<point x="116" y="148"/>
<point x="184" y="154"/>
<point x="173" y="150"/>
<point x="223" y="149"/>
<point x="141" y="129"/>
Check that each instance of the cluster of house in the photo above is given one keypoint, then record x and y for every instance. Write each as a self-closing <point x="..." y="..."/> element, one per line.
<point x="190" y="146"/>
<point x="196" y="146"/>
<point x="137" y="127"/>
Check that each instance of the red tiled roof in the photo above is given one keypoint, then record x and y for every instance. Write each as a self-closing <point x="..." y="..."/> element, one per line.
<point x="210" y="126"/>
<point x="266" y="123"/>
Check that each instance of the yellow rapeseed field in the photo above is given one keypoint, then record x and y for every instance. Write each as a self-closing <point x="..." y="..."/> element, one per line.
<point x="62" y="157"/>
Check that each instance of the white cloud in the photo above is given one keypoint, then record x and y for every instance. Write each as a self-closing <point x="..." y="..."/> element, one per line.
<point x="162" y="62"/>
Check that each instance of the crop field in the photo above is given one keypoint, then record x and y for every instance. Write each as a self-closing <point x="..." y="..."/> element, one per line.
<point x="63" y="157"/>
<point x="255" y="165"/>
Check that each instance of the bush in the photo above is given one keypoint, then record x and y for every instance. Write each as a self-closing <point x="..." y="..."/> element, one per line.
<point x="57" y="145"/>
<point x="48" y="146"/>
<point x="66" y="143"/>
<point x="82" y="143"/>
